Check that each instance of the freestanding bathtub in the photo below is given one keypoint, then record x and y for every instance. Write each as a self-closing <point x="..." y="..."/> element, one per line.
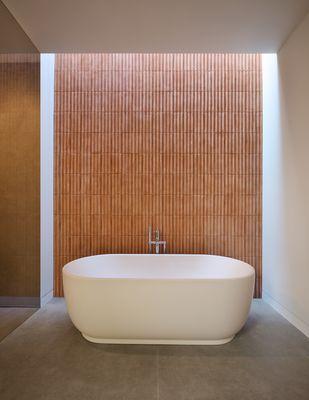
<point x="158" y="299"/>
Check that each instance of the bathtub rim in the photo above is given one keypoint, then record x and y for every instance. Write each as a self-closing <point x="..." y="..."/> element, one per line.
<point x="251" y="271"/>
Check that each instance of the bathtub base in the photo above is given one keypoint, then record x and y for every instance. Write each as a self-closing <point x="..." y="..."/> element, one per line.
<point x="159" y="341"/>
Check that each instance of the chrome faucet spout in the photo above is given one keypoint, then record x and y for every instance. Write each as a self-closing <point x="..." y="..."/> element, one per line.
<point x="157" y="234"/>
<point x="149" y="238"/>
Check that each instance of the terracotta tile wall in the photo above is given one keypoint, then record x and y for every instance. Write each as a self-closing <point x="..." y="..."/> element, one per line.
<point x="19" y="176"/>
<point x="172" y="140"/>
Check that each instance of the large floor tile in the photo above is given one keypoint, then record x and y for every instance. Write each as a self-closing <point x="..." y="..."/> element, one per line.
<point x="48" y="359"/>
<point x="231" y="378"/>
<point x="12" y="317"/>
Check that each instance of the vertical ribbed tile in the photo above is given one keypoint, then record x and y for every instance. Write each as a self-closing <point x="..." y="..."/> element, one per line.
<point x="172" y="140"/>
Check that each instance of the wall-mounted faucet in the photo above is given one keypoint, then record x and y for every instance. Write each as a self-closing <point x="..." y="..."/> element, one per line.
<point x="157" y="242"/>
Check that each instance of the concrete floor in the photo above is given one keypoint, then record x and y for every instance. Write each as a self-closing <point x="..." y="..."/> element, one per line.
<point x="12" y="317"/>
<point x="46" y="358"/>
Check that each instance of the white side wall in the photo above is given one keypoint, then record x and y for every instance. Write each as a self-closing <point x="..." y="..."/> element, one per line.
<point x="47" y="155"/>
<point x="286" y="180"/>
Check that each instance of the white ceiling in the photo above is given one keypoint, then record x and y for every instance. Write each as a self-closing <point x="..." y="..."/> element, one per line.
<point x="158" y="25"/>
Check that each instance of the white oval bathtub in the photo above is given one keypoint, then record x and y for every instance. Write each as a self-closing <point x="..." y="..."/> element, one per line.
<point x="158" y="299"/>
